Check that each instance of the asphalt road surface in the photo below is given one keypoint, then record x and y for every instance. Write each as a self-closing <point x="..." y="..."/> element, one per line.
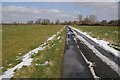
<point x="75" y="65"/>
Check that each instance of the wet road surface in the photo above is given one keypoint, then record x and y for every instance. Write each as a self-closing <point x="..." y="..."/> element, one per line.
<point x="74" y="65"/>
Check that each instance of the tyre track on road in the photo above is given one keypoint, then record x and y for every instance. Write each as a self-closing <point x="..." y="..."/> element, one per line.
<point x="74" y="65"/>
<point x="101" y="68"/>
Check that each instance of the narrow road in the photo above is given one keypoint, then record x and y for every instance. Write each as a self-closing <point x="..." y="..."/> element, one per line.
<point x="75" y="66"/>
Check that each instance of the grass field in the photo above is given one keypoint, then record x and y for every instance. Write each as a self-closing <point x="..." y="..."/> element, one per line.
<point x="20" y="39"/>
<point x="107" y="33"/>
<point x="53" y="54"/>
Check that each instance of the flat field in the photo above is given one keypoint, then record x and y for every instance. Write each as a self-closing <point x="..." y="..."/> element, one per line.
<point x="107" y="33"/>
<point x="17" y="40"/>
<point x="47" y="63"/>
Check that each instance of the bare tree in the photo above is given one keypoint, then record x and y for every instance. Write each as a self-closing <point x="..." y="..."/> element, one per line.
<point x="79" y="18"/>
<point x="92" y="18"/>
<point x="86" y="20"/>
<point x="57" y="22"/>
<point x="30" y="22"/>
<point x="65" y="22"/>
<point x="15" y="23"/>
<point x="38" y="21"/>
<point x="103" y="22"/>
<point x="45" y="21"/>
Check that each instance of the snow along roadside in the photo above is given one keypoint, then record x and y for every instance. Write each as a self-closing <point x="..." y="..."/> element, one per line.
<point x="102" y="43"/>
<point x="108" y="61"/>
<point x="26" y="59"/>
<point x="88" y="62"/>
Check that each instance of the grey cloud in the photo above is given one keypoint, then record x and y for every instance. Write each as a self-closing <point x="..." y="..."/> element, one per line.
<point x="104" y="10"/>
<point x="15" y="13"/>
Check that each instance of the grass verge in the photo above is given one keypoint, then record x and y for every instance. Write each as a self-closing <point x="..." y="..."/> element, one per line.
<point x="20" y="39"/>
<point x="107" y="33"/>
<point x="47" y="63"/>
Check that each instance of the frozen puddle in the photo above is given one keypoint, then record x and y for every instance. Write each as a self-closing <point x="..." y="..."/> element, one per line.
<point x="26" y="59"/>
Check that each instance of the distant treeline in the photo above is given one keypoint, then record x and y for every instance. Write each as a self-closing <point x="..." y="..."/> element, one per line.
<point x="98" y="23"/>
<point x="90" y="20"/>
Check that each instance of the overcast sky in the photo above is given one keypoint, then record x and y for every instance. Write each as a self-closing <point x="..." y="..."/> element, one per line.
<point x="24" y="11"/>
<point x="60" y="0"/>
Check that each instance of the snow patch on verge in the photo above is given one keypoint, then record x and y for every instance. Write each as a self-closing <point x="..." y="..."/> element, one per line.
<point x="26" y="59"/>
<point x="58" y="37"/>
<point x="44" y="64"/>
<point x="20" y="53"/>
<point x="1" y="67"/>
<point x="102" y="43"/>
<point x="108" y="61"/>
<point x="88" y="62"/>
